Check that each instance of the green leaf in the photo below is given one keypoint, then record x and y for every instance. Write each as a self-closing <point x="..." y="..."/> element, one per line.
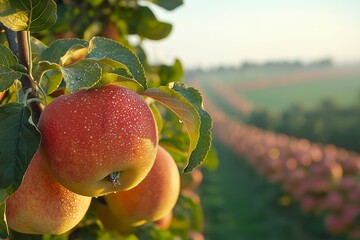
<point x="37" y="47"/>
<point x="157" y="116"/>
<point x="75" y="53"/>
<point x="112" y="64"/>
<point x="103" y="48"/>
<point x="10" y="69"/>
<point x="115" y="72"/>
<point x="28" y="15"/>
<point x="48" y="75"/>
<point x="82" y="74"/>
<point x="212" y="161"/>
<point x="181" y="107"/>
<point x="125" y="80"/>
<point x="172" y="73"/>
<point x="58" y="49"/>
<point x="11" y="17"/>
<point x="150" y="27"/>
<point x="19" y="141"/>
<point x="7" y="77"/>
<point x="120" y="80"/>
<point x="186" y="102"/>
<point x="7" y="58"/>
<point x="167" y="4"/>
<point x="203" y="146"/>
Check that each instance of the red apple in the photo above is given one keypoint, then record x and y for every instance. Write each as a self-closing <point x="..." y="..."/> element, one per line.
<point x="43" y="206"/>
<point x="153" y="198"/>
<point x="100" y="140"/>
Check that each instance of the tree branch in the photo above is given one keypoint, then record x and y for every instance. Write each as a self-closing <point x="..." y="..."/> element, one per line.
<point x="26" y="82"/>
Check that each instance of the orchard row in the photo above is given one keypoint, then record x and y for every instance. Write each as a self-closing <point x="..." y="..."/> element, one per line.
<point x="323" y="178"/>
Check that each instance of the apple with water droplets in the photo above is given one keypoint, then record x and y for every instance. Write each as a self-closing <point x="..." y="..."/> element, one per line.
<point x="41" y="205"/>
<point x="152" y="199"/>
<point x="97" y="141"/>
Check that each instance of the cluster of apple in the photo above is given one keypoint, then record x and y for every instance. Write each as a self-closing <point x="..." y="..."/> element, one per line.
<point x="322" y="178"/>
<point x="96" y="142"/>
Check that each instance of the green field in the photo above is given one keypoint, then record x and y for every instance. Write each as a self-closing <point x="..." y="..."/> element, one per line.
<point x="343" y="91"/>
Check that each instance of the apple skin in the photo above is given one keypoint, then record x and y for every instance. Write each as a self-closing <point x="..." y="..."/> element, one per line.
<point x="153" y="198"/>
<point x="41" y="205"/>
<point x="89" y="134"/>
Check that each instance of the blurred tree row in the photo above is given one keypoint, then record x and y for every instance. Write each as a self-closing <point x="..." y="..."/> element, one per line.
<point x="327" y="123"/>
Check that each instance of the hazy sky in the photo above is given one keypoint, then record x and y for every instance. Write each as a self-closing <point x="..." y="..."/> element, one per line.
<point x="211" y="32"/>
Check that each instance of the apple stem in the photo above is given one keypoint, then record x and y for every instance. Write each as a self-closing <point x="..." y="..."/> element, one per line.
<point x="113" y="178"/>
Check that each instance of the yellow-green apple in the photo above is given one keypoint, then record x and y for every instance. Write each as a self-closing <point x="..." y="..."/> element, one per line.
<point x="100" y="140"/>
<point x="153" y="198"/>
<point x="111" y="222"/>
<point x="41" y="205"/>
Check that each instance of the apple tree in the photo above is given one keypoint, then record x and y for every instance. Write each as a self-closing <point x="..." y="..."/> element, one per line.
<point x="54" y="57"/>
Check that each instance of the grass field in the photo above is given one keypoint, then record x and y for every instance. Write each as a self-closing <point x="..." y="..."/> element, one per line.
<point x="344" y="91"/>
<point x="277" y="90"/>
